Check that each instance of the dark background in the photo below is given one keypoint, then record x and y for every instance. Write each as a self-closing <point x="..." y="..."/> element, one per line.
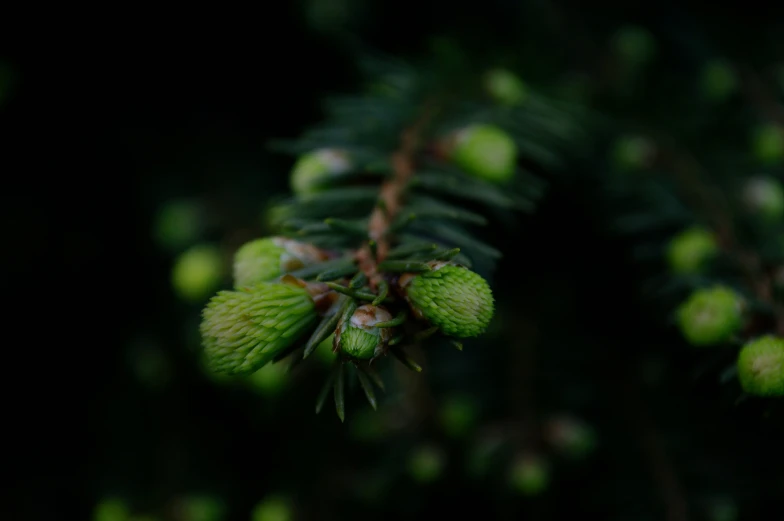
<point x="105" y="122"/>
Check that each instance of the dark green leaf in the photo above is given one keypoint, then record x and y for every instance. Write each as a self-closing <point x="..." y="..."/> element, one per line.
<point x="406" y="250"/>
<point x="406" y="360"/>
<point x="340" y="403"/>
<point x="337" y="273"/>
<point x="368" y="388"/>
<point x="328" y="384"/>
<point x="315" y="269"/>
<point x="401" y="266"/>
<point x="383" y="291"/>
<point x="327" y="326"/>
<point x="399" y="319"/>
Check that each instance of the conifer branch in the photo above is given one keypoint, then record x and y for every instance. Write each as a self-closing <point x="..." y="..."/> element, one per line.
<point x="390" y="201"/>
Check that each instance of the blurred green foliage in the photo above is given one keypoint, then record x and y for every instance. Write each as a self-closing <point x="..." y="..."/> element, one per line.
<point x="586" y="293"/>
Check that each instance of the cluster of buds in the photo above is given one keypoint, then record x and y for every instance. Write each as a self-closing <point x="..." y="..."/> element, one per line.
<point x="276" y="307"/>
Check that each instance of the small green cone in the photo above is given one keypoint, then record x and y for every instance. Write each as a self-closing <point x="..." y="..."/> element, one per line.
<point x="718" y="81"/>
<point x="243" y="330"/>
<point x="426" y="464"/>
<point x="359" y="338"/>
<point x="454" y="298"/>
<point x="764" y="197"/>
<point x="768" y="144"/>
<point x="710" y="316"/>
<point x="273" y="508"/>
<point x="313" y="169"/>
<point x="529" y="475"/>
<point x="505" y="87"/>
<point x="197" y="272"/>
<point x="486" y="152"/>
<point x="266" y="259"/>
<point x="761" y="366"/>
<point x="690" y="250"/>
<point x="111" y="509"/>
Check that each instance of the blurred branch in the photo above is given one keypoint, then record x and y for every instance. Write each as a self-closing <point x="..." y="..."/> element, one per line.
<point x="661" y="465"/>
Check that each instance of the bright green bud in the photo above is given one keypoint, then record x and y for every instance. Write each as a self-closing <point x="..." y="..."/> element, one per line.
<point x="570" y="436"/>
<point x="273" y="508"/>
<point x="710" y="316"/>
<point x="243" y="330"/>
<point x="718" y="81"/>
<point x="688" y="252"/>
<point x="201" y="508"/>
<point x="270" y="379"/>
<point x="529" y="475"/>
<point x="458" y="416"/>
<point x="313" y="169"/>
<point x="454" y="298"/>
<point x="197" y="272"/>
<point x="359" y="337"/>
<point x="633" y="153"/>
<point x="769" y="144"/>
<point x="765" y="197"/>
<point x="111" y="509"/>
<point x="262" y="260"/>
<point x="426" y="464"/>
<point x="505" y="87"/>
<point x="178" y="224"/>
<point x="761" y="366"/>
<point x="486" y="152"/>
<point x="635" y="45"/>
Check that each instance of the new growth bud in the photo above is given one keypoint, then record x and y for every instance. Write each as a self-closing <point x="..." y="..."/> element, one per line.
<point x="688" y="251"/>
<point x="505" y="87"/>
<point x="243" y="330"/>
<point x="359" y="338"/>
<point x="313" y="169"/>
<point x="197" y="272"/>
<point x="454" y="298"/>
<point x="765" y="198"/>
<point x="711" y="316"/>
<point x="484" y="151"/>
<point x="266" y="259"/>
<point x="761" y="366"/>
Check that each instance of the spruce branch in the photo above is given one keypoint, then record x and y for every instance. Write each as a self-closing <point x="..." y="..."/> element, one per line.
<point x="391" y="200"/>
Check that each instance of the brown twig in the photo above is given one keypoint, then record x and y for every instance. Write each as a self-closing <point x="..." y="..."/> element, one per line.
<point x="390" y="200"/>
